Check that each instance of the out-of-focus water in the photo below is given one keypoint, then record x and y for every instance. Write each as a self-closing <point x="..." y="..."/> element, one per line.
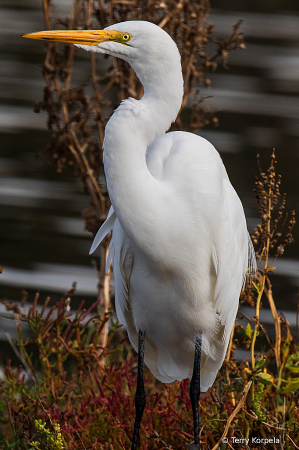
<point x="43" y="243"/>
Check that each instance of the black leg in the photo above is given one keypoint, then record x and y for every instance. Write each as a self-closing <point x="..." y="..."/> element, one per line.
<point x="140" y="394"/>
<point x="195" y="392"/>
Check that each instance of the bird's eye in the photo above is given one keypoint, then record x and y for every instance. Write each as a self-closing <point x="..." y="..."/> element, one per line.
<point x="126" y="37"/>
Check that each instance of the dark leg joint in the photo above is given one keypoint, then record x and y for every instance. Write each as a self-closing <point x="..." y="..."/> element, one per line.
<point x="140" y="401"/>
<point x="194" y="390"/>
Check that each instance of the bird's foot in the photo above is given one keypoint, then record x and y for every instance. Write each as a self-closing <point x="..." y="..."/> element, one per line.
<point x="193" y="446"/>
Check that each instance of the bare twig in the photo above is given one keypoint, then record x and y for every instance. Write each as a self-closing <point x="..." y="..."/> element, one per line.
<point x="231" y="417"/>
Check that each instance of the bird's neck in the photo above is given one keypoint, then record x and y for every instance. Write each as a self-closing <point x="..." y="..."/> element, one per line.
<point x="137" y="197"/>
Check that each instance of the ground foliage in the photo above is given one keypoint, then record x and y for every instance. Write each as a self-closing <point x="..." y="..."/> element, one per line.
<point x="63" y="396"/>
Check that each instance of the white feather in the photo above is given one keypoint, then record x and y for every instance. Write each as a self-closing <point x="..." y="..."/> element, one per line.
<point x="104" y="230"/>
<point x="180" y="245"/>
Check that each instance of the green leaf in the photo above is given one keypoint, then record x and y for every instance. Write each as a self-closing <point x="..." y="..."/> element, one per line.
<point x="2" y="406"/>
<point x="292" y="386"/>
<point x="257" y="287"/>
<point x="6" y="445"/>
<point x="293" y="368"/>
<point x="248" y="331"/>
<point x="264" y="378"/>
<point x="260" y="364"/>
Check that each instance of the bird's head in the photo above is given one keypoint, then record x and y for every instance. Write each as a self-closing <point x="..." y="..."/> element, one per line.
<point x="149" y="50"/>
<point x="132" y="40"/>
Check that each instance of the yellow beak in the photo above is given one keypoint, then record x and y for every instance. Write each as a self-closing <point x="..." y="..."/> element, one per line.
<point x="83" y="37"/>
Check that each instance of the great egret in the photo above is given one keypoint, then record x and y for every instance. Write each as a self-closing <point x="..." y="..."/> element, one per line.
<point x="180" y="245"/>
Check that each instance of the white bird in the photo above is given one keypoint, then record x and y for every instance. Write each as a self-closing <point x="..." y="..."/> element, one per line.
<point x="180" y="246"/>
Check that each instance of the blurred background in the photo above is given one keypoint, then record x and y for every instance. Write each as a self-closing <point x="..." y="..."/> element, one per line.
<point x="44" y="246"/>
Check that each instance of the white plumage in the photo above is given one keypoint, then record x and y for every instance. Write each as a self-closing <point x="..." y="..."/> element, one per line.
<point x="179" y="245"/>
<point x="198" y="290"/>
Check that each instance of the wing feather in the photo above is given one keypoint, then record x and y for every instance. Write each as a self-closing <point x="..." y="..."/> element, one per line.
<point x="122" y="261"/>
<point x="104" y="230"/>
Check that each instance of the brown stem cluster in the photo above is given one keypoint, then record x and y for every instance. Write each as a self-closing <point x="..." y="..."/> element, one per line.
<point x="272" y="213"/>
